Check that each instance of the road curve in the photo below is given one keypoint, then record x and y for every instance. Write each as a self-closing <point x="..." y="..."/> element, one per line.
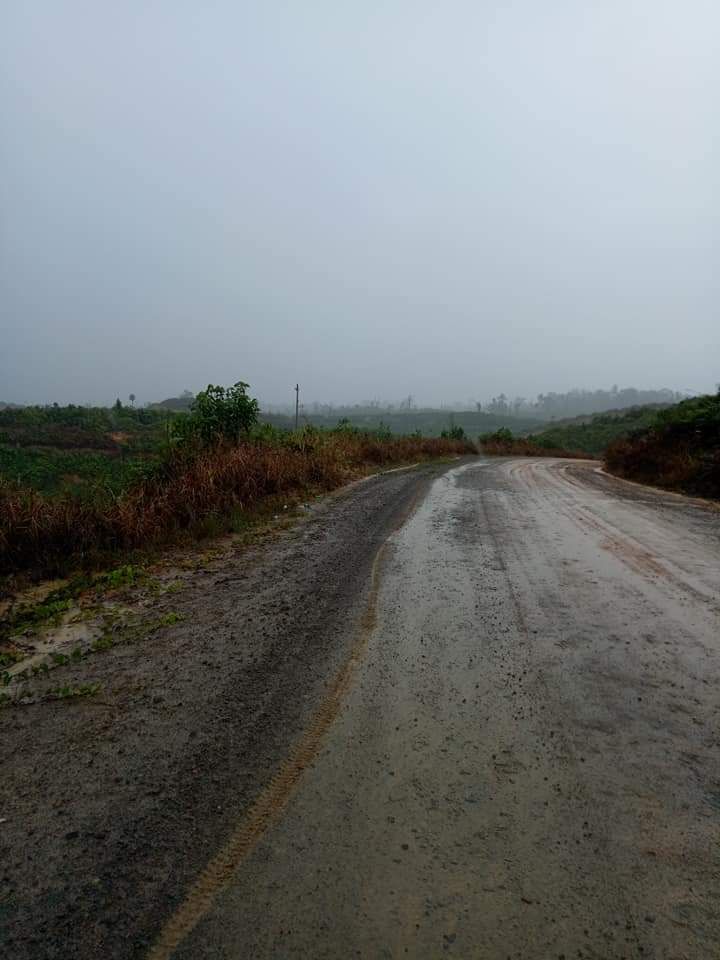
<point x="525" y="762"/>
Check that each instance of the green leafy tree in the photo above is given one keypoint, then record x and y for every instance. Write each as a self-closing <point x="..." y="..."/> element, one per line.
<point x="219" y="413"/>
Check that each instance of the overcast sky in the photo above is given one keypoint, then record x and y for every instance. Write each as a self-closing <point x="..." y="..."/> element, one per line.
<point x="447" y="199"/>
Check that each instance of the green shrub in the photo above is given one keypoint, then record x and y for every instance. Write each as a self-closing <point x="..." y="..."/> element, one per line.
<point x="218" y="413"/>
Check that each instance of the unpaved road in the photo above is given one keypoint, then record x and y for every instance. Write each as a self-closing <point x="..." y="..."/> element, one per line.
<point x="471" y="712"/>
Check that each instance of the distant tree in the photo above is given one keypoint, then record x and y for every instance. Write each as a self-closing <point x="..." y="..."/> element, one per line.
<point x="118" y="405"/>
<point x="131" y="398"/>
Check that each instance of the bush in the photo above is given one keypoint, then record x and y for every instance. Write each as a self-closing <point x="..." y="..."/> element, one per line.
<point x="218" y="413"/>
<point x="454" y="432"/>
<point x="680" y="451"/>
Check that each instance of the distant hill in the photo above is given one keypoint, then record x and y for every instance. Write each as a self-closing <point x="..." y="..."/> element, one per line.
<point x="574" y="403"/>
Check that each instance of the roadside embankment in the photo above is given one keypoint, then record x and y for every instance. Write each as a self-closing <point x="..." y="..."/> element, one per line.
<point x="189" y="494"/>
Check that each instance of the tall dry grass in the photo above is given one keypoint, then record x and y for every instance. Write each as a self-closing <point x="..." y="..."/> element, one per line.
<point x="666" y="461"/>
<point x="49" y="534"/>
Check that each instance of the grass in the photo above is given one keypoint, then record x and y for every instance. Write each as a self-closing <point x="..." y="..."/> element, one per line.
<point x="70" y="692"/>
<point x="51" y="470"/>
<point x="51" y="609"/>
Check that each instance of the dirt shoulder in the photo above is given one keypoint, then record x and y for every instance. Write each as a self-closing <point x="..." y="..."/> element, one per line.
<point x="111" y="803"/>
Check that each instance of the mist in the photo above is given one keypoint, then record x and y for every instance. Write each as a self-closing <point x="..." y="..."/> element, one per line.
<point x="374" y="200"/>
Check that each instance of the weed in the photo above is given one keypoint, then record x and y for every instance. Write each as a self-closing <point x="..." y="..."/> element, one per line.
<point x="71" y="692"/>
<point x="237" y="520"/>
<point x="10" y="657"/>
<point x="33" y="615"/>
<point x="169" y="620"/>
<point x="128" y="575"/>
<point x="102" y="643"/>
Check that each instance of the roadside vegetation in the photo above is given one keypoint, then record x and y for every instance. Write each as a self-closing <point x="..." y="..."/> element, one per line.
<point x="189" y="476"/>
<point x="503" y="443"/>
<point x="583" y="436"/>
<point x="592" y="434"/>
<point x="679" y="450"/>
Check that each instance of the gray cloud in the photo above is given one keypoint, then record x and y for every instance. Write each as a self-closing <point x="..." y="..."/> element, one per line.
<point x="376" y="199"/>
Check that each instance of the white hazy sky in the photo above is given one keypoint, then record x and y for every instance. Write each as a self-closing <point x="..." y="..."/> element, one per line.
<point x="373" y="198"/>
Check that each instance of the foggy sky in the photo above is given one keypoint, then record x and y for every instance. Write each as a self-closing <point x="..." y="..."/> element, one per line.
<point x="373" y="198"/>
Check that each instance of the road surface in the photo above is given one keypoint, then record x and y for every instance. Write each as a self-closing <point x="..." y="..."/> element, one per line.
<point x="526" y="762"/>
<point x="469" y="713"/>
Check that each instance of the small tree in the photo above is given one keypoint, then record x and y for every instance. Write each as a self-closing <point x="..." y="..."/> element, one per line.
<point x="131" y="398"/>
<point x="219" y="413"/>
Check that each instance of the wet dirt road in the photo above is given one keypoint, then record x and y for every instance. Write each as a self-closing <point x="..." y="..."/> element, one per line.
<point x="526" y="761"/>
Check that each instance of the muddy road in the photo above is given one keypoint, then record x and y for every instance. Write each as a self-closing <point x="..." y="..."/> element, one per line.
<point x="468" y="711"/>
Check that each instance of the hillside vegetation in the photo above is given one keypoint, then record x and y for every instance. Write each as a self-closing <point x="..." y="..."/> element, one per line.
<point x="592" y="434"/>
<point x="584" y="436"/>
<point x="576" y="402"/>
<point x="679" y="450"/>
<point x="194" y="475"/>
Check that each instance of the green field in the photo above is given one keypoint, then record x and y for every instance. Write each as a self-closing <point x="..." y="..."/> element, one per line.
<point x="52" y="470"/>
<point x="79" y="449"/>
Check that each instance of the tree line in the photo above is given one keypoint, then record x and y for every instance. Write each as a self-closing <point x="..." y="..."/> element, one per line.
<point x="575" y="403"/>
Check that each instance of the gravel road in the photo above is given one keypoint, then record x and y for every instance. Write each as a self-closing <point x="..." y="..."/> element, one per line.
<point x="467" y="711"/>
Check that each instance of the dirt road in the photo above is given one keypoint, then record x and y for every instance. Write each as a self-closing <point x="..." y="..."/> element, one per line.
<point x="482" y="721"/>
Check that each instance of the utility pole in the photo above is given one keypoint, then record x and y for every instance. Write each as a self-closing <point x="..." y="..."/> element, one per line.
<point x="297" y="404"/>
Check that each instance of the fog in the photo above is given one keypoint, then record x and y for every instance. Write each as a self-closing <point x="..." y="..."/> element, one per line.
<point x="374" y="199"/>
